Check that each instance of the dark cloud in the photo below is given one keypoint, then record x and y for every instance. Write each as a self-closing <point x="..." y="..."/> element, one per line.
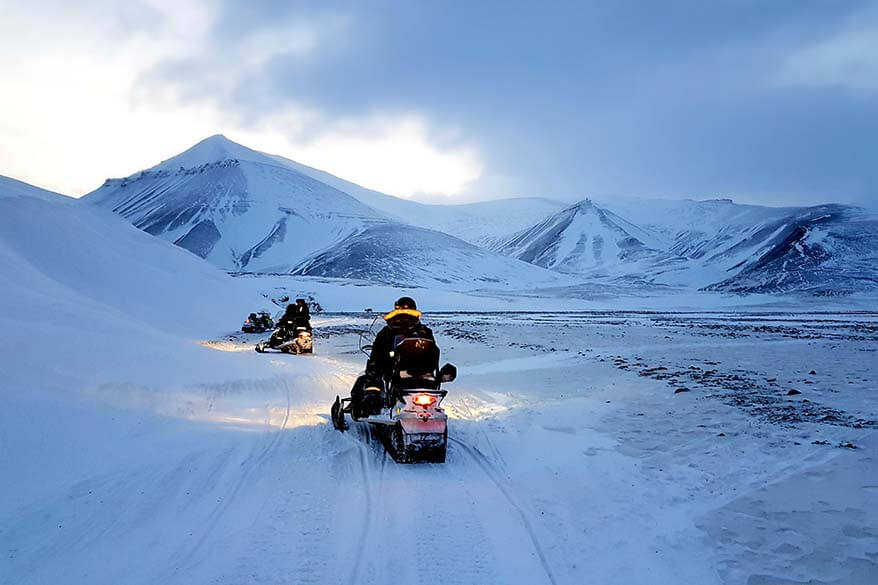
<point x="565" y="99"/>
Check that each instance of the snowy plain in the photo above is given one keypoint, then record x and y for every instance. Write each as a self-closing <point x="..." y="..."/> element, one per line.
<point x="571" y="460"/>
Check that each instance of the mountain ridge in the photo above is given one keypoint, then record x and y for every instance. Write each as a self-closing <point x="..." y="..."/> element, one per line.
<point x="249" y="212"/>
<point x="301" y="220"/>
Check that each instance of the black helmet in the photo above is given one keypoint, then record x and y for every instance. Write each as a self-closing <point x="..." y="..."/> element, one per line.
<point x="405" y="303"/>
<point x="404" y="308"/>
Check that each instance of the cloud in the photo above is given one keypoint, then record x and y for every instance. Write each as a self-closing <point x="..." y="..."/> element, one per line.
<point x="394" y="155"/>
<point x="229" y="71"/>
<point x="69" y="108"/>
<point x="134" y="83"/>
<point x="847" y="59"/>
<point x="765" y="102"/>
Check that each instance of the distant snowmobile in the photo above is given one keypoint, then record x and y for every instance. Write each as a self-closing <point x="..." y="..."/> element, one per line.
<point x="258" y="323"/>
<point x="297" y="341"/>
<point x="406" y="413"/>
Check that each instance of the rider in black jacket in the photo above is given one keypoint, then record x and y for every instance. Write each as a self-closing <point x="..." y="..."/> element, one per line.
<point x="302" y="314"/>
<point x="295" y="315"/>
<point x="404" y="321"/>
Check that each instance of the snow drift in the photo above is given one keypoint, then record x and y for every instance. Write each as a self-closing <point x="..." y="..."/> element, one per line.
<point x="58" y="254"/>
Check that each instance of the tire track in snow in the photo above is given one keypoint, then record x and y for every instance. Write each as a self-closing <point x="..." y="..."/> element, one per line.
<point x="276" y="438"/>
<point x="250" y="464"/>
<point x="369" y="506"/>
<point x="494" y="476"/>
<point x="450" y="527"/>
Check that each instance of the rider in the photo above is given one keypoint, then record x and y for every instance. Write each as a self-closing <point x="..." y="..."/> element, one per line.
<point x="302" y="316"/>
<point x="265" y="320"/>
<point x="404" y="321"/>
<point x="295" y="315"/>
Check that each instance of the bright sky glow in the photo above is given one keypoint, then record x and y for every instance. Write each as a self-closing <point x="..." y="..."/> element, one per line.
<point x="77" y="112"/>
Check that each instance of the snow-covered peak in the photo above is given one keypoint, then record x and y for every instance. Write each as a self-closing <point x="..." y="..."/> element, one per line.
<point x="213" y="149"/>
<point x="589" y="212"/>
<point x="583" y="238"/>
<point x="235" y="207"/>
<point x="584" y="205"/>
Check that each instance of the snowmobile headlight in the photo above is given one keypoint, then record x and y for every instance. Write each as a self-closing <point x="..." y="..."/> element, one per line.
<point x="424" y="399"/>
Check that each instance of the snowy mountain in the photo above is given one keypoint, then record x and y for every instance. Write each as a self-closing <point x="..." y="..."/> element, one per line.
<point x="824" y="250"/>
<point x="714" y="231"/>
<point x="486" y="222"/>
<point x="751" y="248"/>
<point x="235" y="207"/>
<point x="586" y="239"/>
<point x="479" y="223"/>
<point x="398" y="254"/>
<point x="245" y="211"/>
<point x="714" y="245"/>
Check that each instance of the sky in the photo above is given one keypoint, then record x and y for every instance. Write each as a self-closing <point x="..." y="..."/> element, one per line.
<point x="768" y="102"/>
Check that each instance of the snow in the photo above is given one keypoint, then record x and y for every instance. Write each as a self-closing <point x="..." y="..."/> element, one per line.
<point x="142" y="440"/>
<point x="713" y="244"/>
<point x="258" y="216"/>
<point x="64" y="255"/>
<point x="402" y="255"/>
<point x="583" y="239"/>
<point x="563" y="465"/>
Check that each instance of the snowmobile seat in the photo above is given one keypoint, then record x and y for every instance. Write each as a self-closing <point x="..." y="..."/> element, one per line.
<point x="417" y="361"/>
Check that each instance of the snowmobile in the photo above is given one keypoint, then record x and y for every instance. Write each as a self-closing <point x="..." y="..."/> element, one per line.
<point x="406" y="413"/>
<point x="298" y="341"/>
<point x="258" y="323"/>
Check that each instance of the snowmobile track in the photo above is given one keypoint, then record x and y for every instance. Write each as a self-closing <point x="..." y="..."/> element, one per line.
<point x="485" y="464"/>
<point x="368" y="507"/>
<point x="249" y="465"/>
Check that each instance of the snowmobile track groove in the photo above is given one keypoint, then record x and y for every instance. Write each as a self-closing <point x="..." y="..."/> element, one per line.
<point x="363" y="452"/>
<point x="249" y="465"/>
<point x="494" y="476"/>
